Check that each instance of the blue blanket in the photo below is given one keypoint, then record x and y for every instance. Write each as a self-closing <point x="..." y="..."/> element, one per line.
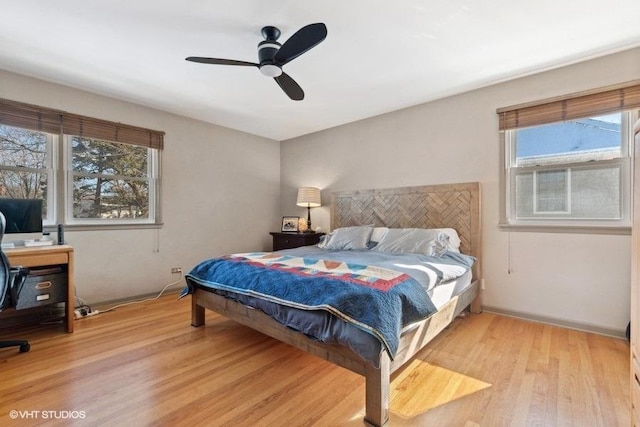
<point x="377" y="300"/>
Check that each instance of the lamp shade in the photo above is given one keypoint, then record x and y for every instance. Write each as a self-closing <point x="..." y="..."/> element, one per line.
<point x="308" y="197"/>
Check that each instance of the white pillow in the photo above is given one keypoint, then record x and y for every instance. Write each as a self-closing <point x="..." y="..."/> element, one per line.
<point x="413" y="240"/>
<point x="378" y="233"/>
<point x="347" y="238"/>
<point x="454" y="239"/>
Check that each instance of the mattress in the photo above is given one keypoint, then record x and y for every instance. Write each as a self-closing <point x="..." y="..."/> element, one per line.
<point x="442" y="293"/>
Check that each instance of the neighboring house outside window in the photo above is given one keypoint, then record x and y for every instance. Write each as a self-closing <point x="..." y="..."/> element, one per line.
<point x="566" y="168"/>
<point x="569" y="170"/>
<point x="71" y="163"/>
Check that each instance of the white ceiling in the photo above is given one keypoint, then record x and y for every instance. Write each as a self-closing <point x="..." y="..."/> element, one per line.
<point x="379" y="56"/>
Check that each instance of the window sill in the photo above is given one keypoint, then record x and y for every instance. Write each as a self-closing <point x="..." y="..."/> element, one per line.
<point x="96" y="227"/>
<point x="577" y="229"/>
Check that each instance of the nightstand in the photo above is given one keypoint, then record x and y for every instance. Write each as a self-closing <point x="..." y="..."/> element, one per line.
<point x="293" y="240"/>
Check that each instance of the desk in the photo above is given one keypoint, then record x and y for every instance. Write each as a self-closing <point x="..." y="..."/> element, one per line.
<point x="43" y="256"/>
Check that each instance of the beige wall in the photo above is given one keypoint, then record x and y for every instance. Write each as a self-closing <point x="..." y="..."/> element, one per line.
<point x="215" y="180"/>
<point x="220" y="194"/>
<point x="575" y="279"/>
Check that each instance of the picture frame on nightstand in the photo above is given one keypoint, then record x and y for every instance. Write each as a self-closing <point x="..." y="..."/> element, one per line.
<point x="290" y="224"/>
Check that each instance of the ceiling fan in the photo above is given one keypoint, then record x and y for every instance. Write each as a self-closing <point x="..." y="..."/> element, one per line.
<point x="272" y="55"/>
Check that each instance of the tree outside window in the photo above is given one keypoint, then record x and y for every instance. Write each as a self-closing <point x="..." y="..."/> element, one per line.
<point x="110" y="180"/>
<point x="25" y="164"/>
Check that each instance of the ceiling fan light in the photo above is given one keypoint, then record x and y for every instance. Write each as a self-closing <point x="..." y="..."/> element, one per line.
<point x="270" y="70"/>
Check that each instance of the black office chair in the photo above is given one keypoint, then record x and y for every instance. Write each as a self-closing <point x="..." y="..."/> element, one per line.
<point x="11" y="281"/>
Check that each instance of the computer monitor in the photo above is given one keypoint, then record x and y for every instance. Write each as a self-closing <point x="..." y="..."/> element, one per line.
<point x="22" y="215"/>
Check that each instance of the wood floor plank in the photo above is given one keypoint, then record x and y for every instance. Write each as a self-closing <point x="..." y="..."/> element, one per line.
<point x="145" y="365"/>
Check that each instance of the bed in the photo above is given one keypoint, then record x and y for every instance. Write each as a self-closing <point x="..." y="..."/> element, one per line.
<point x="449" y="206"/>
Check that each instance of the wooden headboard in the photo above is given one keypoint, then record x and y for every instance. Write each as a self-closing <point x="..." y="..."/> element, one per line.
<point x="454" y="206"/>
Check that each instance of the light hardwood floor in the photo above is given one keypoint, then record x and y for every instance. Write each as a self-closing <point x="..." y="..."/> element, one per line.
<point x="145" y="365"/>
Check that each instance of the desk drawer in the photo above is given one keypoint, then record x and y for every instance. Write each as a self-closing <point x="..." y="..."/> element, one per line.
<point x="35" y="260"/>
<point x="43" y="287"/>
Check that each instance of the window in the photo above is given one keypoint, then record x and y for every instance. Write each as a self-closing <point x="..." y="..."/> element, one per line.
<point x="567" y="162"/>
<point x="109" y="181"/>
<point x="87" y="171"/>
<point x="571" y="170"/>
<point x="26" y="167"/>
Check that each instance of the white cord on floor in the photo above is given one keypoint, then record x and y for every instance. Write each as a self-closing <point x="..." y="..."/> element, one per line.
<point x="146" y="299"/>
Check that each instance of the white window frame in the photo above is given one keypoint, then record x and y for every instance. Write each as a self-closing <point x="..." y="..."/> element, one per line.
<point x="50" y="171"/>
<point x="153" y="174"/>
<point x="60" y="186"/>
<point x="508" y="217"/>
<point x="53" y="143"/>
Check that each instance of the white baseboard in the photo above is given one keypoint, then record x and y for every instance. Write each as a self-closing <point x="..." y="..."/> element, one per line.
<point x="104" y="305"/>
<point x="584" y="327"/>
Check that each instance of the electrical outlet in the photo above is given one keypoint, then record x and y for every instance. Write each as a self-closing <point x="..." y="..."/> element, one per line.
<point x="175" y="270"/>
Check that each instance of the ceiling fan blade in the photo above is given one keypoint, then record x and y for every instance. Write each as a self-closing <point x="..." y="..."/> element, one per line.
<point x="290" y="87"/>
<point x="220" y="61"/>
<point x="304" y="39"/>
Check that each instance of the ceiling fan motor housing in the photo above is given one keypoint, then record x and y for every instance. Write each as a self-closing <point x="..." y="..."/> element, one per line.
<point x="266" y="50"/>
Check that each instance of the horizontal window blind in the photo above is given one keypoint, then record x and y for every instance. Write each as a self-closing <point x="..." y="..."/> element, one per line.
<point x="592" y="103"/>
<point x="33" y="117"/>
<point x="100" y="129"/>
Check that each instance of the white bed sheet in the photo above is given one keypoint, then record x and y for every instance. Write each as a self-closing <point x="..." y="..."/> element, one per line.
<point x="442" y="293"/>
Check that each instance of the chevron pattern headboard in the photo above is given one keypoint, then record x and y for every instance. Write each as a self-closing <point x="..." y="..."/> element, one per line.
<point x="430" y="206"/>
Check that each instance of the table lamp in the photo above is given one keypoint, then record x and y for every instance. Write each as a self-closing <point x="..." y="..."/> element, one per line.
<point x="308" y="197"/>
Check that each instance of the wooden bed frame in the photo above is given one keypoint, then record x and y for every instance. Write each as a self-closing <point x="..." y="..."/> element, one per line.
<point x="434" y="206"/>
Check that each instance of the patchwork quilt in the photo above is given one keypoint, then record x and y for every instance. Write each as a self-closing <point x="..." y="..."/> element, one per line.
<point x="377" y="300"/>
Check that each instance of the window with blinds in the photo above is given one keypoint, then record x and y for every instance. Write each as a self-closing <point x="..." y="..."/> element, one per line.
<point x="87" y="171"/>
<point x="567" y="161"/>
